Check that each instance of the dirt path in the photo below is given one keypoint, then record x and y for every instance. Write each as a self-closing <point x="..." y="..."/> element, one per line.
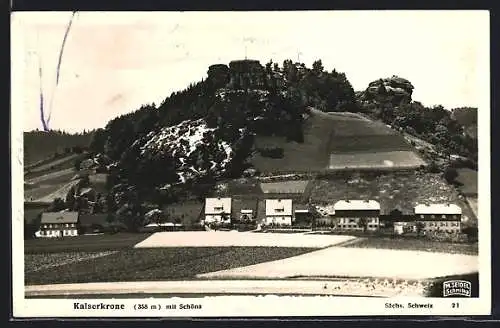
<point x="234" y="238"/>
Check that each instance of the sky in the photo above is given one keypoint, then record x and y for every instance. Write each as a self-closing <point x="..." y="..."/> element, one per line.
<point x="114" y="62"/>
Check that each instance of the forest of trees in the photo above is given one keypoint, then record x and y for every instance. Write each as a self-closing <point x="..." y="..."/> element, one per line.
<point x="41" y="145"/>
<point x="435" y="125"/>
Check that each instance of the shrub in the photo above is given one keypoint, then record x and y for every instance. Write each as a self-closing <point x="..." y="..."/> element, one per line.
<point x="450" y="174"/>
<point x="272" y="152"/>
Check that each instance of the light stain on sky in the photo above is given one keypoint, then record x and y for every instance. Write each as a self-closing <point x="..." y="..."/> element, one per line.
<point x="147" y="56"/>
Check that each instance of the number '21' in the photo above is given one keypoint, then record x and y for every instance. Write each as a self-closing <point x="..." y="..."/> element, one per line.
<point x="455" y="305"/>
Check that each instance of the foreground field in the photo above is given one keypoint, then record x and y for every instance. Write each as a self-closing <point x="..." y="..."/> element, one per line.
<point x="153" y="264"/>
<point x="84" y="243"/>
<point x="231" y="238"/>
<point x="197" y="288"/>
<point x="414" y="244"/>
<point x="335" y="262"/>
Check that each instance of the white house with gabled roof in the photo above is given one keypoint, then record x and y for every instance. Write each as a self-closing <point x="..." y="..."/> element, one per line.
<point x="58" y="224"/>
<point x="279" y="212"/>
<point x="357" y="214"/>
<point x="439" y="217"/>
<point x="218" y="210"/>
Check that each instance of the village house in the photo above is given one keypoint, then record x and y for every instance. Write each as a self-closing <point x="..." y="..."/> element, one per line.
<point x="278" y="212"/>
<point x="438" y="217"/>
<point x="357" y="214"/>
<point x="217" y="210"/>
<point x="58" y="224"/>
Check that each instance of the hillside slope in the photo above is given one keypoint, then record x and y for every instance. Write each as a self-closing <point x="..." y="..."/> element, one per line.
<point x="40" y="145"/>
<point x="330" y="137"/>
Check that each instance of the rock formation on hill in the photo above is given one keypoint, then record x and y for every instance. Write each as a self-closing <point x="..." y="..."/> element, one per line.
<point x="393" y="89"/>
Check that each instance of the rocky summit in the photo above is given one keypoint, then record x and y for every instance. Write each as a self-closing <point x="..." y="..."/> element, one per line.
<point x="394" y="89"/>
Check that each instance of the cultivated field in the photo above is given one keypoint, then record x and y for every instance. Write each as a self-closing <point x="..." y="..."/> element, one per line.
<point x="61" y="163"/>
<point x="356" y="262"/>
<point x="243" y="239"/>
<point x="84" y="243"/>
<point x="60" y="192"/>
<point x="285" y="187"/>
<point x="402" y="190"/>
<point x="61" y="175"/>
<point x="240" y="187"/>
<point x="335" y="133"/>
<point x="154" y="264"/>
<point x="39" y="262"/>
<point x="389" y="159"/>
<point x="414" y="244"/>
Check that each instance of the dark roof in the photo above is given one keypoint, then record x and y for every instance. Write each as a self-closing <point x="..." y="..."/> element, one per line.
<point x="59" y="217"/>
<point x="90" y="219"/>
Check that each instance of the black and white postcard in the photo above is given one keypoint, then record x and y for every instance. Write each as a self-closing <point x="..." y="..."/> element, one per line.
<point x="240" y="164"/>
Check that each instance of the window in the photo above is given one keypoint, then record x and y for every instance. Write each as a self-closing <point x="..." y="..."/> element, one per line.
<point x="218" y="208"/>
<point x="433" y="216"/>
<point x="443" y="216"/>
<point x="421" y="216"/>
<point x="280" y="210"/>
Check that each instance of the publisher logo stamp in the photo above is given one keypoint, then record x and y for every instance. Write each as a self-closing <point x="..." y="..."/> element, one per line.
<point x="457" y="288"/>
